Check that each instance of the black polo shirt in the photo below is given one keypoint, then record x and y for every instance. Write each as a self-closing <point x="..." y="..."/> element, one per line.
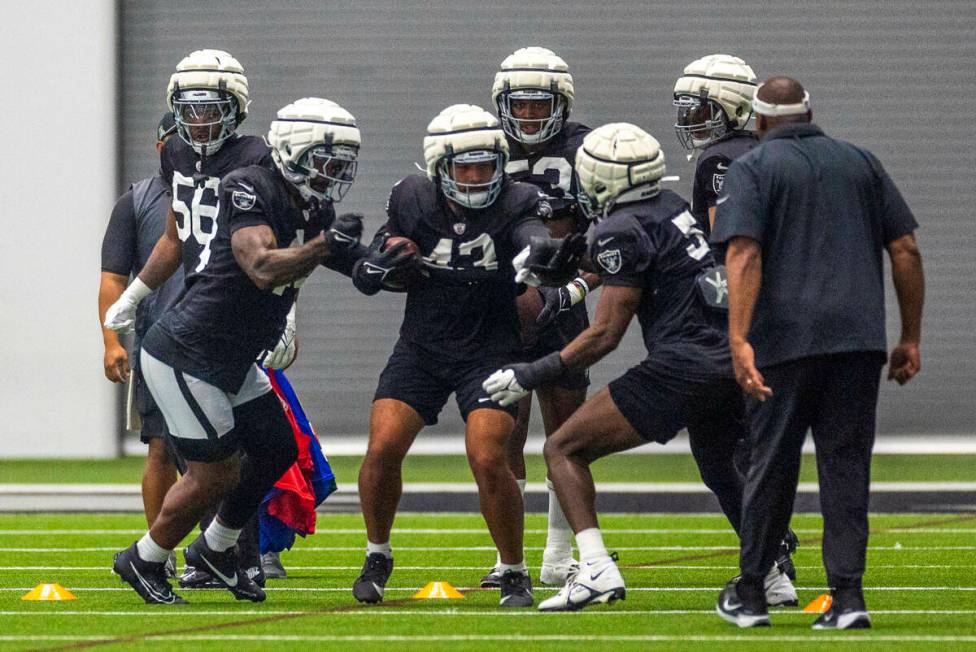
<point x="822" y="211"/>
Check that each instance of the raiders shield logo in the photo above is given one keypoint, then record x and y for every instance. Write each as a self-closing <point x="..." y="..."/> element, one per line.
<point x="543" y="209"/>
<point x="610" y="260"/>
<point x="718" y="180"/>
<point x="242" y="200"/>
<point x="460" y="228"/>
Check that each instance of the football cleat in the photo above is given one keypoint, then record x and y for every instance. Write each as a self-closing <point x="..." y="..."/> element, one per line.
<point x="271" y="564"/>
<point x="256" y="573"/>
<point x="591" y="583"/>
<point x="171" y="565"/>
<point x="194" y="578"/>
<point x="787" y="548"/>
<point x="146" y="577"/>
<point x="847" y="611"/>
<point x="224" y="568"/>
<point x="516" y="589"/>
<point x="492" y="579"/>
<point x="732" y="609"/>
<point x="779" y="589"/>
<point x="371" y="583"/>
<point x="556" y="571"/>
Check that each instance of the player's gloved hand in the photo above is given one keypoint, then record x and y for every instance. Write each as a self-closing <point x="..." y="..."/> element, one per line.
<point x="370" y="273"/>
<point x="286" y="349"/>
<point x="549" y="261"/>
<point x="121" y="315"/>
<point x="509" y="385"/>
<point x="345" y="232"/>
<point x="560" y="300"/>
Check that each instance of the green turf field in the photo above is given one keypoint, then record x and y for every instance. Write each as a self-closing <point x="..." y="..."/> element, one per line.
<point x="920" y="586"/>
<point x="453" y="468"/>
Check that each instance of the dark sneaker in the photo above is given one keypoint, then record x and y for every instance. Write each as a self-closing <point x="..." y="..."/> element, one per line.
<point x="146" y="577"/>
<point x="272" y="566"/>
<point x="194" y="578"/>
<point x="223" y="566"/>
<point x="732" y="609"/>
<point x="492" y="579"/>
<point x="171" y="566"/>
<point x="847" y="611"/>
<point x="516" y="589"/>
<point x="786" y="549"/>
<point x="371" y="583"/>
<point x="256" y="573"/>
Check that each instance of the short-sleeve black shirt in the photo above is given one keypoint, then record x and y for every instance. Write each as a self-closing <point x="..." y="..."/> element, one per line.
<point x="822" y="211"/>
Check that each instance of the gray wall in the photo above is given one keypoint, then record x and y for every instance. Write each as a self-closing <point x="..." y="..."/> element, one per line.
<point x="894" y="76"/>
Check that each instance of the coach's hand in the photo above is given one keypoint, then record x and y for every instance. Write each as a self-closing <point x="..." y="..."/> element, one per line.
<point x="905" y="362"/>
<point x="116" y="363"/>
<point x="746" y="374"/>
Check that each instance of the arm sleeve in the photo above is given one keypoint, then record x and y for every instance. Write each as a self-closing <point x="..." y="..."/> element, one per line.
<point x="622" y="252"/>
<point x="119" y="243"/>
<point x="897" y="219"/>
<point x="710" y="178"/>
<point x="740" y="209"/>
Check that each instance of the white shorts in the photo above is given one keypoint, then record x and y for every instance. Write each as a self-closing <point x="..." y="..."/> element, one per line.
<point x="194" y="409"/>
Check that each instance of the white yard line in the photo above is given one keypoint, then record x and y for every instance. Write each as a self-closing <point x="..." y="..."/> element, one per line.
<point x="446" y="638"/>
<point x="732" y="547"/>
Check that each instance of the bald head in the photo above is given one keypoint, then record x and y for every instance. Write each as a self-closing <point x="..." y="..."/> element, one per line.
<point x="780" y="90"/>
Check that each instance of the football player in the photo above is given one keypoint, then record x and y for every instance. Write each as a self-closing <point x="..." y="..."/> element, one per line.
<point x="655" y="263"/>
<point x="533" y="94"/>
<point x="468" y="222"/>
<point x="273" y="227"/>
<point x="713" y="98"/>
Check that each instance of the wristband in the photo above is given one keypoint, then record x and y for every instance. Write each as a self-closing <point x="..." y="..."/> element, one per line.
<point x="577" y="289"/>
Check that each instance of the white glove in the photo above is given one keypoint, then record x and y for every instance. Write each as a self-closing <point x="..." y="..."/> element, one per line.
<point x="503" y="388"/>
<point x="121" y="315"/>
<point x="284" y="352"/>
<point x="522" y="273"/>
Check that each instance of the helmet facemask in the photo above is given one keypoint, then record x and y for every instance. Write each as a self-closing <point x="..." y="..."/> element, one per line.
<point x="471" y="194"/>
<point x="324" y="171"/>
<point x="542" y="129"/>
<point x="204" y="118"/>
<point x="700" y="120"/>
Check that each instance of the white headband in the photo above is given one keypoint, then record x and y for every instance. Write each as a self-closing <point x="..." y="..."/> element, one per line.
<point x="776" y="110"/>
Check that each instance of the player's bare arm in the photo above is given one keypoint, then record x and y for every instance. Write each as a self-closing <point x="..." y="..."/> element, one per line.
<point x="743" y="264"/>
<point x="614" y="311"/>
<point x="254" y="250"/>
<point x="116" y="360"/>
<point x="909" y="281"/>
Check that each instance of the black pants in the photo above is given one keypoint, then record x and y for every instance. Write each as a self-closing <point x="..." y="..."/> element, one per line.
<point x="836" y="397"/>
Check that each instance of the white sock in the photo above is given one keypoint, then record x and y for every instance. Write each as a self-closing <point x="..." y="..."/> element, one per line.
<point x="220" y="537"/>
<point x="590" y="543"/>
<point x="149" y="550"/>
<point x="521" y="485"/>
<point x="382" y="548"/>
<point x="559" y="539"/>
<point x="520" y="567"/>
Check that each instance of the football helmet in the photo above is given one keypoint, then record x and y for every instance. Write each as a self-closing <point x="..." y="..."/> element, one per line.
<point x="616" y="164"/>
<point x="713" y="98"/>
<point x="315" y="143"/>
<point x="533" y="74"/>
<point x="464" y="134"/>
<point x="208" y="97"/>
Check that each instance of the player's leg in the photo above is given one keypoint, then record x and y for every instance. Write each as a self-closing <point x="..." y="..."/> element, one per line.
<point x="557" y="403"/>
<point x="158" y="475"/>
<point x="843" y="431"/>
<point x="595" y="430"/>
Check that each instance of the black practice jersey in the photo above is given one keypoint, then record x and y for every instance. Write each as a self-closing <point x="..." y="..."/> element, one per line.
<point x="195" y="183"/>
<point x="223" y="321"/>
<point x="655" y="245"/>
<point x="463" y="307"/>
<point x="710" y="172"/>
<point x="551" y="168"/>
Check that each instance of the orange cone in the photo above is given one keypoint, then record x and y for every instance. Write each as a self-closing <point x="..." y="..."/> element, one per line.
<point x="438" y="591"/>
<point x="49" y="592"/>
<point x="819" y="605"/>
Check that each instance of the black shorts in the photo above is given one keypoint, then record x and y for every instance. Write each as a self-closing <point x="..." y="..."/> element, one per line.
<point x="658" y="405"/>
<point x="425" y="384"/>
<point x="555" y="337"/>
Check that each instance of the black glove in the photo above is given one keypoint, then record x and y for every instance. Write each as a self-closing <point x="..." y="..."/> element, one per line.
<point x="557" y="301"/>
<point x="555" y="261"/>
<point x="345" y="232"/>
<point x="373" y="273"/>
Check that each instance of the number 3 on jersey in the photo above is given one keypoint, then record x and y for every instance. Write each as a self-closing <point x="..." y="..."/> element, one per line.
<point x="190" y="217"/>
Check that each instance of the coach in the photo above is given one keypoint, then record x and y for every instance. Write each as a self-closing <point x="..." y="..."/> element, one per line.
<point x="806" y="218"/>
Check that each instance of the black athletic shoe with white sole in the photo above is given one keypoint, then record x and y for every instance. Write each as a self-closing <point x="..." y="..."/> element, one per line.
<point x="786" y="550"/>
<point x="224" y="568"/>
<point x="732" y="609"/>
<point x="194" y="578"/>
<point x="371" y="583"/>
<point x="492" y="579"/>
<point x="847" y="611"/>
<point x="516" y="589"/>
<point x="146" y="577"/>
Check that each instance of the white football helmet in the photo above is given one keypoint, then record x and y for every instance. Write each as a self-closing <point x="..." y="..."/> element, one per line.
<point x="315" y="142"/>
<point x="208" y="97"/>
<point x="533" y="74"/>
<point x="713" y="98"/>
<point x="465" y="134"/>
<point x="616" y="164"/>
